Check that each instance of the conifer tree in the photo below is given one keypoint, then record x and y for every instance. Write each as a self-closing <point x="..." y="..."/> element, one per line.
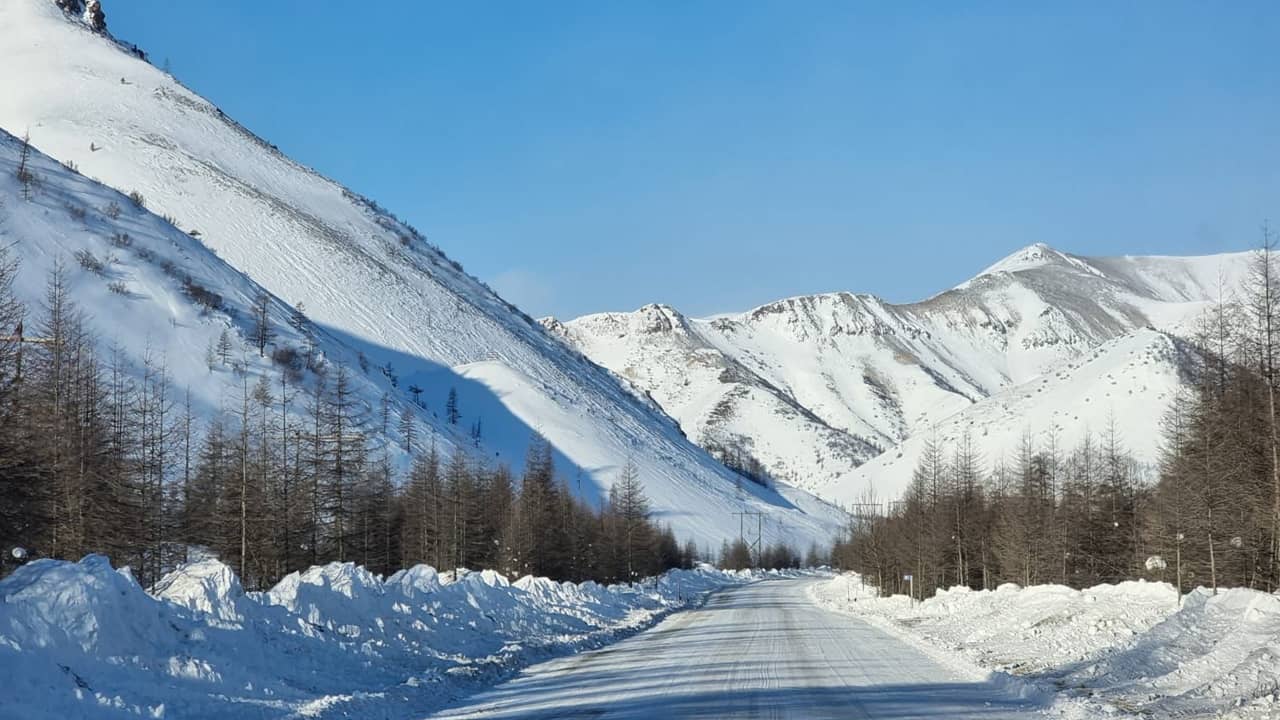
<point x="451" y="407"/>
<point x="262" y="332"/>
<point x="223" y="348"/>
<point x="408" y="429"/>
<point x="628" y="503"/>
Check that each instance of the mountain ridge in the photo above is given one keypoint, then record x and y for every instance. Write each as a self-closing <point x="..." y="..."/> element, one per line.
<point x="875" y="373"/>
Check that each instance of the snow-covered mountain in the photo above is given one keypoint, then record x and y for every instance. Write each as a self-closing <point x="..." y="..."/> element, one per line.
<point x="836" y="392"/>
<point x="254" y="218"/>
<point x="144" y="286"/>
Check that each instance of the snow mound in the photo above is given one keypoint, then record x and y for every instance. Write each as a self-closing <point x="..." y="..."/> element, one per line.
<point x="207" y="586"/>
<point x="1215" y="651"/>
<point x="338" y="597"/>
<point x="81" y="640"/>
<point x="85" y="606"/>
<point x="1126" y="647"/>
<point x="416" y="581"/>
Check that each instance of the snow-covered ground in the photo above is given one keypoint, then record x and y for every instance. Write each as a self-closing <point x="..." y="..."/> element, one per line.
<point x="758" y="651"/>
<point x="1110" y="649"/>
<point x="83" y="640"/>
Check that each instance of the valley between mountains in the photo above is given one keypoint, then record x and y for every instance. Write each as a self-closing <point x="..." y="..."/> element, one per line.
<point x="267" y="451"/>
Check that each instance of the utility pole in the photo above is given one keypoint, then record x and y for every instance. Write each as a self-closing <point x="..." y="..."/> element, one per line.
<point x="20" y="339"/>
<point x="754" y="545"/>
<point x="1178" y="561"/>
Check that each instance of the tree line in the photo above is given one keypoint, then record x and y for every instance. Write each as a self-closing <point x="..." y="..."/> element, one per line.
<point x="101" y="455"/>
<point x="1206" y="513"/>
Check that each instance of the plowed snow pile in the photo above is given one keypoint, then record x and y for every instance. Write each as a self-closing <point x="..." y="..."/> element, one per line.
<point x="1110" y="649"/>
<point x="85" y="640"/>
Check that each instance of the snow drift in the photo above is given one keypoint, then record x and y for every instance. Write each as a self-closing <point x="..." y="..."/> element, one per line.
<point x="1111" y="648"/>
<point x="84" y="640"/>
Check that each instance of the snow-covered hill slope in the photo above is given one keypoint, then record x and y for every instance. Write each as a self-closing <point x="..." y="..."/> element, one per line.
<point x="145" y="287"/>
<point x="815" y="386"/>
<point x="371" y="282"/>
<point x="1128" y="381"/>
<point x="718" y="399"/>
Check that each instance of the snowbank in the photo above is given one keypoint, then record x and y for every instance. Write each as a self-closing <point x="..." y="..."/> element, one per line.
<point x="1216" y="653"/>
<point x="85" y="640"/>
<point x="1109" y="649"/>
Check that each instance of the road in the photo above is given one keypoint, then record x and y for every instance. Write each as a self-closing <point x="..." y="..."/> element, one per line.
<point x="757" y="651"/>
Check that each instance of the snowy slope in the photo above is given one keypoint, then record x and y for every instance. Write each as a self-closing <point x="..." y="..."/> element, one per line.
<point x="139" y="301"/>
<point x="817" y="385"/>
<point x="372" y="282"/>
<point x="1128" y="381"/>
<point x="718" y="400"/>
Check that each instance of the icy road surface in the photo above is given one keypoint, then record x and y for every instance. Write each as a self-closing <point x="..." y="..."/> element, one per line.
<point x="758" y="651"/>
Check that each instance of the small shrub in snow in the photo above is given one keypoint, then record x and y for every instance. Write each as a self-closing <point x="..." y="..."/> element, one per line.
<point x="112" y="210"/>
<point x="90" y="262"/>
<point x="288" y="358"/>
<point x="138" y="199"/>
<point x="118" y="287"/>
<point x="77" y="212"/>
<point x="71" y="165"/>
<point x="121" y="240"/>
<point x="201" y="295"/>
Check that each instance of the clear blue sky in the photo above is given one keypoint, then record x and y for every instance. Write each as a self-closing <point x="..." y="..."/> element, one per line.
<point x="717" y="155"/>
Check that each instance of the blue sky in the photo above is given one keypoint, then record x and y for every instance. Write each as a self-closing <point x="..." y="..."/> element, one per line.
<point x="718" y="155"/>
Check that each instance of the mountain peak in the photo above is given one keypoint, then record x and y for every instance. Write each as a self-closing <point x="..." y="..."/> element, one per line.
<point x="659" y="318"/>
<point x="1032" y="256"/>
